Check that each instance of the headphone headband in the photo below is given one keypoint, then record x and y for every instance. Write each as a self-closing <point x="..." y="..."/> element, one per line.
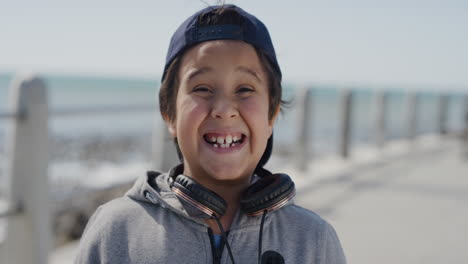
<point x="269" y="193"/>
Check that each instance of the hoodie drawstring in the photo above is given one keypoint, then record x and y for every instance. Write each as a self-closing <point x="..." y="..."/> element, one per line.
<point x="224" y="237"/>
<point x="260" y="237"/>
<point x="223" y="233"/>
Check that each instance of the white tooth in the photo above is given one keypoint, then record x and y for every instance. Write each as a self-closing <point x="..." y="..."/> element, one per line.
<point x="220" y="140"/>
<point x="215" y="145"/>
<point x="229" y="139"/>
<point x="223" y="145"/>
<point x="235" y="138"/>
<point x="213" y="139"/>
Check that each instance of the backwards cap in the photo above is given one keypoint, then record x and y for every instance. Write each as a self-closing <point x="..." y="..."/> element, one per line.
<point x="250" y="30"/>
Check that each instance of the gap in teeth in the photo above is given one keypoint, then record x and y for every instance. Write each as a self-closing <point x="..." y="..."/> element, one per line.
<point x="224" y="142"/>
<point x="226" y="145"/>
<point x="216" y="145"/>
<point x="227" y="140"/>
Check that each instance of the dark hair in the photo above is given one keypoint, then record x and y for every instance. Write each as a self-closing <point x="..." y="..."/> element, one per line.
<point x="170" y="84"/>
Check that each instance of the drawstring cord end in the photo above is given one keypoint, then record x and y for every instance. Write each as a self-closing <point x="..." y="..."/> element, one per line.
<point x="224" y="237"/>
<point x="260" y="237"/>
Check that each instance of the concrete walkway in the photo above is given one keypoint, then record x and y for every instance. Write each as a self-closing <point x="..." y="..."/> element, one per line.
<point x="413" y="209"/>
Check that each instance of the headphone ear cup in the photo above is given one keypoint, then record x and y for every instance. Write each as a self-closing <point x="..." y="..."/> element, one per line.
<point x="199" y="196"/>
<point x="269" y="193"/>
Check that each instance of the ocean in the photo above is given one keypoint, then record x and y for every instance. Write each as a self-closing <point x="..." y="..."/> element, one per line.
<point x="96" y="150"/>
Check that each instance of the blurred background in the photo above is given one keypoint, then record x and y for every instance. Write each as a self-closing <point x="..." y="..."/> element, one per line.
<point x="95" y="53"/>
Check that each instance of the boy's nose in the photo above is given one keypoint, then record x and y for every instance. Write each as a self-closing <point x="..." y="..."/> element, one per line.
<point x="223" y="108"/>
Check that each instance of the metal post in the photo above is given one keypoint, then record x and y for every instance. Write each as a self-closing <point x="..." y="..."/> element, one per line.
<point x="442" y="114"/>
<point x="304" y="128"/>
<point x="28" y="236"/>
<point x="412" y="105"/>
<point x="380" y="106"/>
<point x="345" y="129"/>
<point x="464" y="135"/>
<point x="466" y="112"/>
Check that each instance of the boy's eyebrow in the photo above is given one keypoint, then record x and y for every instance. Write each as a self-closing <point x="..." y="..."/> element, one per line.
<point x="243" y="69"/>
<point x="198" y="71"/>
<point x="249" y="71"/>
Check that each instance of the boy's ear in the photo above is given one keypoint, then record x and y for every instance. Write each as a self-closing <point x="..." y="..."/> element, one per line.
<point x="273" y="119"/>
<point x="172" y="129"/>
<point x="275" y="115"/>
<point x="170" y="125"/>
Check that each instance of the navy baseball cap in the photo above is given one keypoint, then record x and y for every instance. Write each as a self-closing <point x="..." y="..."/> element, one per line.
<point x="250" y="30"/>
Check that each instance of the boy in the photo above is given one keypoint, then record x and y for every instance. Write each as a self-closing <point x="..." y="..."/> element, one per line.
<point x="220" y="96"/>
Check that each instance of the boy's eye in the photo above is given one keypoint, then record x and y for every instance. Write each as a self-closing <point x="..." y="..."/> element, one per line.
<point x="201" y="89"/>
<point x="245" y="90"/>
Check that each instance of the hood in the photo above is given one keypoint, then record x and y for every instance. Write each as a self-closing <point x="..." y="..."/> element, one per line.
<point x="155" y="188"/>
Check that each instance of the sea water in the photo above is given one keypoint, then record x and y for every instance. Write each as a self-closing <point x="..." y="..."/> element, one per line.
<point x="97" y="149"/>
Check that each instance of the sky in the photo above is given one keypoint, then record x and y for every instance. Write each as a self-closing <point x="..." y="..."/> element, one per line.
<point x="405" y="43"/>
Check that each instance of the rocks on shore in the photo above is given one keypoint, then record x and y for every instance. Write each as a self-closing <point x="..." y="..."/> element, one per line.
<point x="70" y="216"/>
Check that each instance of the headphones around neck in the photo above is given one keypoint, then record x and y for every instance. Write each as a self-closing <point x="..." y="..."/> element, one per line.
<point x="269" y="193"/>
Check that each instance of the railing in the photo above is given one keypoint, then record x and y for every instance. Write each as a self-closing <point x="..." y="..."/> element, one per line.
<point x="380" y="116"/>
<point x="27" y="207"/>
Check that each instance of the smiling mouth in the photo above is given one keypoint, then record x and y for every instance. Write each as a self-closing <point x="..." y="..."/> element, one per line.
<point x="224" y="141"/>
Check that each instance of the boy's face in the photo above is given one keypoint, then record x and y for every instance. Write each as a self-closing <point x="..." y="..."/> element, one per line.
<point x="222" y="104"/>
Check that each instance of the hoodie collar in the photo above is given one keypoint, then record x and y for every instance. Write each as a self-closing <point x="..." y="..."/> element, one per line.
<point x="155" y="188"/>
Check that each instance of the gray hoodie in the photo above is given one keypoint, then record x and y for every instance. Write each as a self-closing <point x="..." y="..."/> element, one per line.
<point x="151" y="225"/>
